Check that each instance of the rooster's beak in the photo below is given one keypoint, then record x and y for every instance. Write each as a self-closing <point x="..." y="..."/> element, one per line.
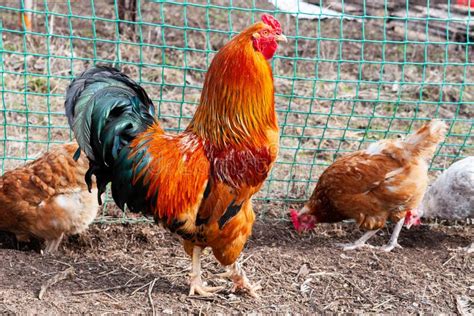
<point x="281" y="38"/>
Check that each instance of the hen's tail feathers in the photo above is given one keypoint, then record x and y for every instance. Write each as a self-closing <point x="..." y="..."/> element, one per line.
<point x="424" y="141"/>
<point x="106" y="110"/>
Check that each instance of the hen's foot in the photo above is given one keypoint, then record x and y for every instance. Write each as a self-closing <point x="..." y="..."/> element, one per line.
<point x="470" y="248"/>
<point x="199" y="287"/>
<point x="390" y="246"/>
<point x="354" y="246"/>
<point x="360" y="243"/>
<point x="393" y="243"/>
<point x="52" y="245"/>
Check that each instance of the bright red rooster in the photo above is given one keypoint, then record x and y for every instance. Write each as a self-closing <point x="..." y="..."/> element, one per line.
<point x="199" y="183"/>
<point x="385" y="181"/>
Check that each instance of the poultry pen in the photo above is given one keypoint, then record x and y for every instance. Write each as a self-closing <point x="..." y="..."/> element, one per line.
<point x="353" y="72"/>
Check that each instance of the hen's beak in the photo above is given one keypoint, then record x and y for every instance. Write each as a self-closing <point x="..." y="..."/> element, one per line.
<point x="281" y="38"/>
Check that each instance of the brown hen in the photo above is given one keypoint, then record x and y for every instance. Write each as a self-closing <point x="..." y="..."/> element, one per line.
<point x="48" y="198"/>
<point x="383" y="182"/>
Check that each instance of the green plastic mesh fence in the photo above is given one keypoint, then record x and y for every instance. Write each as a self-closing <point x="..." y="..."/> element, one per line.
<point x="359" y="72"/>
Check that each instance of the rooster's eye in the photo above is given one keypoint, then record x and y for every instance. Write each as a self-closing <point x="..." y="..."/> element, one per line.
<point x="264" y="32"/>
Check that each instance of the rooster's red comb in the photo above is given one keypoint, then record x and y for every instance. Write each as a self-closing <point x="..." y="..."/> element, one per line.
<point x="271" y="21"/>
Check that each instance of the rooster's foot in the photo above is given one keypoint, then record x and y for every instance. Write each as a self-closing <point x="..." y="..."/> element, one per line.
<point x="241" y="282"/>
<point x="198" y="287"/>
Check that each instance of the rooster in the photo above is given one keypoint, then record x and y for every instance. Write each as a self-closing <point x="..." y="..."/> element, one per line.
<point x="198" y="183"/>
<point x="385" y="181"/>
<point x="47" y="198"/>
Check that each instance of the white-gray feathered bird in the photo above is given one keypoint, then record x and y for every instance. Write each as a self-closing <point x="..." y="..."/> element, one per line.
<point x="452" y="195"/>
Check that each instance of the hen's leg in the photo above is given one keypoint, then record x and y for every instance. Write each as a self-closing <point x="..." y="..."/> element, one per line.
<point x="21" y="238"/>
<point x="394" y="238"/>
<point x="53" y="245"/>
<point x="359" y="243"/>
<point x="470" y="248"/>
<point x="241" y="282"/>
<point x="197" y="286"/>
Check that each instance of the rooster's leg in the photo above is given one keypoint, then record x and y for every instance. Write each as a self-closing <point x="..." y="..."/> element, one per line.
<point x="359" y="243"/>
<point x="241" y="282"/>
<point x="394" y="238"/>
<point x="197" y="286"/>
<point x="227" y="274"/>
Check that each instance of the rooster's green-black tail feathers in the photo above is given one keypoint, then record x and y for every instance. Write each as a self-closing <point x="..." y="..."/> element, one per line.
<point x="106" y="110"/>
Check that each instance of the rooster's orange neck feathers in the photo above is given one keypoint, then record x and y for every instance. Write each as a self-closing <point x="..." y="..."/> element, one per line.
<point x="237" y="101"/>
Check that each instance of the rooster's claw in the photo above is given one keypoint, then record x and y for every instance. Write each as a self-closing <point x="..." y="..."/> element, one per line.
<point x="198" y="287"/>
<point x="244" y="284"/>
<point x="241" y="282"/>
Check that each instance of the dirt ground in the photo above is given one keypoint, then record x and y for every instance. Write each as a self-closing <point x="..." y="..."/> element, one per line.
<point x="126" y="268"/>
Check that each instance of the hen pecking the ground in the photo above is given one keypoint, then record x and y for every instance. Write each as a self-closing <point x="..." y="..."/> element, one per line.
<point x="384" y="182"/>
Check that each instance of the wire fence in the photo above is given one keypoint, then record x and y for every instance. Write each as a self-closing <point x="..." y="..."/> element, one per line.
<point x="349" y="75"/>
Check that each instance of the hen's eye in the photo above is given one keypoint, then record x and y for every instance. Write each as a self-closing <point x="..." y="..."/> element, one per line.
<point x="264" y="32"/>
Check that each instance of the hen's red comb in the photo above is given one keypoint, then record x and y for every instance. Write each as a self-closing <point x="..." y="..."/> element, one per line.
<point x="411" y="218"/>
<point x="294" y="218"/>
<point x="271" y="21"/>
